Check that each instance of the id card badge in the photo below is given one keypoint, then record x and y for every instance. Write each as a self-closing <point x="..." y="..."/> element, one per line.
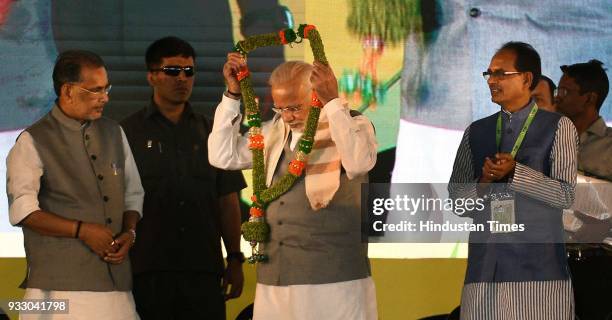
<point x="502" y="212"/>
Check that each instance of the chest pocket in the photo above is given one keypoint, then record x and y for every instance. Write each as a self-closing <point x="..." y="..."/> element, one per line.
<point x="150" y="157"/>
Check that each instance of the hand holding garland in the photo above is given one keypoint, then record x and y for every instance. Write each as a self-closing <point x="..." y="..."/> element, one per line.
<point x="235" y="62"/>
<point x="324" y="82"/>
<point x="256" y="230"/>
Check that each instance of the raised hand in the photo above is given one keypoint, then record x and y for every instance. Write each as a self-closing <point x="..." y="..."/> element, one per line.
<point x="234" y="62"/>
<point x="324" y="82"/>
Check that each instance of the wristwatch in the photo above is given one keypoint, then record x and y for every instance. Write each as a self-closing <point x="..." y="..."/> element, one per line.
<point x="238" y="256"/>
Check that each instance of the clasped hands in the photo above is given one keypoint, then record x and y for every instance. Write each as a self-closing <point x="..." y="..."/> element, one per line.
<point x="497" y="168"/>
<point x="100" y="239"/>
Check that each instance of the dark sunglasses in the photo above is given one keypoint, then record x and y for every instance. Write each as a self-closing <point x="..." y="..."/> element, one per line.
<point x="174" y="71"/>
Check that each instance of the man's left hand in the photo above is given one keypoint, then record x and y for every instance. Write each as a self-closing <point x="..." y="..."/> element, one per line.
<point x="233" y="278"/>
<point x="324" y="82"/>
<point x="122" y="246"/>
<point x="504" y="165"/>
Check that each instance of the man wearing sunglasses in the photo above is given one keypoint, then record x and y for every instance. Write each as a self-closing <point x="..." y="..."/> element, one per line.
<point x="522" y="162"/>
<point x="73" y="187"/>
<point x="178" y="266"/>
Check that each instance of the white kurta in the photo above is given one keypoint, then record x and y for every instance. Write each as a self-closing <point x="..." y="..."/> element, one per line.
<point x="355" y="300"/>
<point x="113" y="305"/>
<point x="24" y="171"/>
<point x="356" y="143"/>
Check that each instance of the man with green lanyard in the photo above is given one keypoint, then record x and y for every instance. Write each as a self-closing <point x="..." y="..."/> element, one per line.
<point x="522" y="161"/>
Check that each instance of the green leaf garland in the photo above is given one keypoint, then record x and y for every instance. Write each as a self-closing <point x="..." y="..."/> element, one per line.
<point x="256" y="230"/>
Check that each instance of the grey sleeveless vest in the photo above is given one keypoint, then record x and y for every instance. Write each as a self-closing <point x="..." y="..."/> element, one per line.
<point x="82" y="179"/>
<point x="314" y="247"/>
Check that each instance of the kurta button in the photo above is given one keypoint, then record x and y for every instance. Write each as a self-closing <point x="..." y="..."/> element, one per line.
<point x="282" y="203"/>
<point x="280" y="243"/>
<point x="181" y="203"/>
<point x="475" y="12"/>
<point x="279" y="222"/>
<point x="109" y="220"/>
<point x="100" y="177"/>
<point x="93" y="157"/>
<point x="86" y="137"/>
<point x="105" y="198"/>
<point x="182" y="229"/>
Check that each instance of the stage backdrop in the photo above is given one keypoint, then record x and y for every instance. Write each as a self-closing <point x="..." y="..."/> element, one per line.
<point x="413" y="67"/>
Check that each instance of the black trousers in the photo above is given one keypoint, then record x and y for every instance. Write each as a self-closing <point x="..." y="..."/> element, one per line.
<point x="592" y="282"/>
<point x="179" y="295"/>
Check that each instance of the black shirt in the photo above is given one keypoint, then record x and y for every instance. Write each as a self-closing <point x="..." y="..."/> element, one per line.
<point x="181" y="225"/>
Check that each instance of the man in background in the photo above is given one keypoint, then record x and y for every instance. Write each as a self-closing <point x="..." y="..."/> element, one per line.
<point x="544" y="94"/>
<point x="178" y="266"/>
<point x="582" y="91"/>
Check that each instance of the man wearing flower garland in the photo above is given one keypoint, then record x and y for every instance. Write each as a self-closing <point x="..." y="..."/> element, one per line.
<point x="317" y="265"/>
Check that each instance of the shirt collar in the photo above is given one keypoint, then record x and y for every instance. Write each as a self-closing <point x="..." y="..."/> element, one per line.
<point x="598" y="127"/>
<point x="153" y="109"/>
<point x="70" y="123"/>
<point x="522" y="113"/>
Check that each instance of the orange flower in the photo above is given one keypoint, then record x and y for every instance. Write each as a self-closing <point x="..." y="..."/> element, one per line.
<point x="256" y="212"/>
<point x="315" y="102"/>
<point x="296" y="167"/>
<point x="243" y="73"/>
<point x="307" y="29"/>
<point x="281" y="35"/>
<point x="256" y="141"/>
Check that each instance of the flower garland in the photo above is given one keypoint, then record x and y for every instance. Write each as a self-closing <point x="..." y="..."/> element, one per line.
<point x="256" y="230"/>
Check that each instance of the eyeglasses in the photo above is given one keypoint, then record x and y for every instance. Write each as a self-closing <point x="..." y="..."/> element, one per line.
<point x="174" y="71"/>
<point x="292" y="109"/>
<point x="499" y="74"/>
<point x="97" y="91"/>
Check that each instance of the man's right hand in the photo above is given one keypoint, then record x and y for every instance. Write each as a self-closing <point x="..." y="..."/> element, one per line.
<point x="488" y="174"/>
<point x="97" y="237"/>
<point x="234" y="62"/>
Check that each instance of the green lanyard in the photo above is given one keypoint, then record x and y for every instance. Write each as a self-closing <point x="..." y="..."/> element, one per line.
<point x="521" y="136"/>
